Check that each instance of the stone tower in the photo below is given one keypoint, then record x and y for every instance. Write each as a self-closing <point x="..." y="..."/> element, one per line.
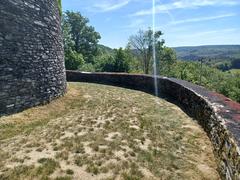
<point x="32" y="68"/>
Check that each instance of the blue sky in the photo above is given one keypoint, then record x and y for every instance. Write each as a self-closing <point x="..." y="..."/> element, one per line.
<point x="183" y="22"/>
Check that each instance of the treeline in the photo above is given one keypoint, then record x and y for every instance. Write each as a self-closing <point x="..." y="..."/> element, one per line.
<point x="223" y="57"/>
<point x="227" y="83"/>
<point x="225" y="65"/>
<point x="82" y="52"/>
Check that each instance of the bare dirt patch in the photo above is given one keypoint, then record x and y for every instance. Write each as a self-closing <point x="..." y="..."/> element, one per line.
<point x="104" y="132"/>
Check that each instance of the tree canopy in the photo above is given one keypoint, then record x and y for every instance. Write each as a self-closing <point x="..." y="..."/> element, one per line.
<point x="79" y="36"/>
<point x="60" y="6"/>
<point x="143" y="42"/>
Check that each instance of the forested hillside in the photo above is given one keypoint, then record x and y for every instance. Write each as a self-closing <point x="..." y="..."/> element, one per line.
<point x="223" y="57"/>
<point x="105" y="49"/>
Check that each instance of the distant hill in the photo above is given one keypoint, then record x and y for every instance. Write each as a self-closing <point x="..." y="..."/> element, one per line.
<point x="191" y="53"/>
<point x="105" y="49"/>
<point x="224" y="57"/>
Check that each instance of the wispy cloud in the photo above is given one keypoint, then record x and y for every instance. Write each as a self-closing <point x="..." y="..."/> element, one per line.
<point x="204" y="33"/>
<point x="208" y="18"/>
<point x="186" y="4"/>
<point x="106" y="6"/>
<point x="136" y="23"/>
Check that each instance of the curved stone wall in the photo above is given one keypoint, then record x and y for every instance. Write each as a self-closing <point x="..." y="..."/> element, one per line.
<point x="218" y="115"/>
<point x="32" y="68"/>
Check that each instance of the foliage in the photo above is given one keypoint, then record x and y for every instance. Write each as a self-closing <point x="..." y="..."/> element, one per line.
<point x="60" y="6"/>
<point x="143" y="43"/>
<point x="87" y="67"/>
<point x="230" y="87"/>
<point x="235" y="64"/>
<point x="67" y="36"/>
<point x="134" y="63"/>
<point x="166" y="58"/>
<point x="82" y="51"/>
<point x="105" y="63"/>
<point x="222" y="57"/>
<point x="227" y="83"/>
<point x="83" y="37"/>
<point x="105" y="50"/>
<point x="217" y="51"/>
<point x="119" y="62"/>
<point x="73" y="60"/>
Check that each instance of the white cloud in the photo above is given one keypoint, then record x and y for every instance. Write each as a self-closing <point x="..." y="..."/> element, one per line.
<point x="204" y="33"/>
<point x="108" y="5"/>
<point x="207" y="37"/>
<point x="186" y="4"/>
<point x="208" y="18"/>
<point x="136" y="23"/>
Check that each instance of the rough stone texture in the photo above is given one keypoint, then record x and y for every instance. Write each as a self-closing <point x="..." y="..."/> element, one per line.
<point x="218" y="115"/>
<point x="32" y="68"/>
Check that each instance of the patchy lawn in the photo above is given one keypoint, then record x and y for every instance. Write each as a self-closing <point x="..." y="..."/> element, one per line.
<point x="104" y="132"/>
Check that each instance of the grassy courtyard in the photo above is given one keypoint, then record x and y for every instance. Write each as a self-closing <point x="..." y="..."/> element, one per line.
<point x="104" y="132"/>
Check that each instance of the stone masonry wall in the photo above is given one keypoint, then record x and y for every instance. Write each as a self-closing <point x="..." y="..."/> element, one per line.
<point x="32" y="68"/>
<point x="218" y="115"/>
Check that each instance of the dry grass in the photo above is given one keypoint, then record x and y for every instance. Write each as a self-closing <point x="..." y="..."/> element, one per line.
<point x="104" y="132"/>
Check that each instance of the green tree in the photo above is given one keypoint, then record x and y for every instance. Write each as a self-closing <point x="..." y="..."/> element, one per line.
<point x="85" y="37"/>
<point x="166" y="59"/>
<point x="143" y="42"/>
<point x="87" y="67"/>
<point x="230" y="86"/>
<point x="60" y="6"/>
<point x="134" y="63"/>
<point x="121" y="63"/>
<point x="69" y="44"/>
<point x="118" y="62"/>
<point x="105" y="63"/>
<point x="73" y="60"/>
